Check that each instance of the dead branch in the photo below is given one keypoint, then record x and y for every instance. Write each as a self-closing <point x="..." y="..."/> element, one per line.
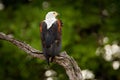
<point x="71" y="67"/>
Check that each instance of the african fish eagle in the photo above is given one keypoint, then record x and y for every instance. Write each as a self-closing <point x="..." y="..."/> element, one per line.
<point x="50" y="29"/>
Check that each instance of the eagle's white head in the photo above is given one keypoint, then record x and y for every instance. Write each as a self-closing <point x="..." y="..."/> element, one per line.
<point x="50" y="18"/>
<point x="51" y="15"/>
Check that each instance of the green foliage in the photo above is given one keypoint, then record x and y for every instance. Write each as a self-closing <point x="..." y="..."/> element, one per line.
<point x="83" y="24"/>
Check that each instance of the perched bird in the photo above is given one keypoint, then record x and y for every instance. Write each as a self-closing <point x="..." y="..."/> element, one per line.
<point x="50" y="29"/>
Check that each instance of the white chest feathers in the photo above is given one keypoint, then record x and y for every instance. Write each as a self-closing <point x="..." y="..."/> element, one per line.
<point x="49" y="22"/>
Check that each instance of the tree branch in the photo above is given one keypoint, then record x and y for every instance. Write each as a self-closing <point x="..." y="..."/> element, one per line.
<point x="72" y="69"/>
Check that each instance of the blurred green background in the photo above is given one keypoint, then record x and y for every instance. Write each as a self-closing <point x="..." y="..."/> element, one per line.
<point x="90" y="34"/>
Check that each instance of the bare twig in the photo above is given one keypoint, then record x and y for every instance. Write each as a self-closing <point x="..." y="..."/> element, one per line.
<point x="72" y="69"/>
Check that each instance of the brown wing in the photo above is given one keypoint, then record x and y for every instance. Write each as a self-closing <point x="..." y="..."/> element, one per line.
<point x="43" y="30"/>
<point x="59" y="25"/>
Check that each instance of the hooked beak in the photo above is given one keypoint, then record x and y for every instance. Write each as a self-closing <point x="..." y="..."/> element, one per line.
<point x="56" y="14"/>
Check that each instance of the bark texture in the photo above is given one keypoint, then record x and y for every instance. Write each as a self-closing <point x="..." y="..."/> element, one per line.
<point x="71" y="67"/>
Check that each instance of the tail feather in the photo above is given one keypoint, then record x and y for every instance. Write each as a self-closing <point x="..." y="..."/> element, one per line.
<point x="48" y="62"/>
<point x="47" y="59"/>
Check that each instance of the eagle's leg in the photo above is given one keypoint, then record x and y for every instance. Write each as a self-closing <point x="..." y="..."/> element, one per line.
<point x="52" y="58"/>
